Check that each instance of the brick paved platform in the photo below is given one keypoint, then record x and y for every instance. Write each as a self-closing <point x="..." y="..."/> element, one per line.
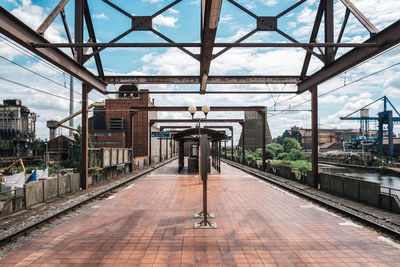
<point x="151" y="224"/>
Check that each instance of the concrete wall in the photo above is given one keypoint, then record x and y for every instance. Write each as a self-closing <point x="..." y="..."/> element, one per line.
<point x="33" y="193"/>
<point x="45" y="190"/>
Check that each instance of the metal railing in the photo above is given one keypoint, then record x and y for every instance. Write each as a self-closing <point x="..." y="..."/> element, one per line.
<point x="13" y="195"/>
<point x="391" y="192"/>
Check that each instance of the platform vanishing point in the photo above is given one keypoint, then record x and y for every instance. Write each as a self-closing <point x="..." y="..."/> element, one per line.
<point x="150" y="223"/>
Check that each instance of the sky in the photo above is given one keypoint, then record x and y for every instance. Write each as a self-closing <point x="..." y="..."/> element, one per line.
<point x="337" y="97"/>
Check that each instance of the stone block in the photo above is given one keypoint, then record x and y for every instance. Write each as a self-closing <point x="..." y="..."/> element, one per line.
<point x="33" y="193"/>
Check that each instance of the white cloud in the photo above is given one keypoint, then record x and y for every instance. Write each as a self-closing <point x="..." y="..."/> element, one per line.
<point x="173" y="11"/>
<point x="271" y="3"/>
<point x="153" y="1"/>
<point x="168" y="21"/>
<point x="100" y="16"/>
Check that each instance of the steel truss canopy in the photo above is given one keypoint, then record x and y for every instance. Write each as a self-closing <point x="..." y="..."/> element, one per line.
<point x="325" y="50"/>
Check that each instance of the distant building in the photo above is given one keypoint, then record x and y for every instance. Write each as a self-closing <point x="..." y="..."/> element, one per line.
<point x="114" y="126"/>
<point x="253" y="130"/>
<point x="17" y="129"/>
<point x="60" y="147"/>
<point x="325" y="136"/>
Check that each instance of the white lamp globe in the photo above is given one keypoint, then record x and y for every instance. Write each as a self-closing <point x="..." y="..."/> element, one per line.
<point x="205" y="109"/>
<point x="192" y="110"/>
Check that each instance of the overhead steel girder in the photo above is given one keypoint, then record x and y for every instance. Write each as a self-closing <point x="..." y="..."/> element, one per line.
<point x="196" y="79"/>
<point x="195" y="120"/>
<point x="388" y="38"/>
<point x="185" y="108"/>
<point x="16" y="30"/>
<point x="210" y="16"/>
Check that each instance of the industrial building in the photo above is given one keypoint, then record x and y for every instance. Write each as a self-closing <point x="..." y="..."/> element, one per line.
<point x="17" y="129"/>
<point x="116" y="126"/>
<point x="253" y="130"/>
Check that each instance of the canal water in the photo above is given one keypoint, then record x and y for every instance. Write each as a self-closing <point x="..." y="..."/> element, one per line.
<point x="386" y="180"/>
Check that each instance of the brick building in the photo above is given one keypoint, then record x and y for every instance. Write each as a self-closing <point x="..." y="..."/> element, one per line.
<point x="113" y="125"/>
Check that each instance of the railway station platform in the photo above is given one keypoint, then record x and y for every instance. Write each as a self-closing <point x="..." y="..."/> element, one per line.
<point x="150" y="223"/>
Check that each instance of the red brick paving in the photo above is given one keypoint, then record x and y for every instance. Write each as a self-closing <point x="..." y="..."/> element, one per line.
<point x="151" y="224"/>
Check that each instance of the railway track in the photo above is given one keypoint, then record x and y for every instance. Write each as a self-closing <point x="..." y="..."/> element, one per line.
<point x="379" y="224"/>
<point x="95" y="195"/>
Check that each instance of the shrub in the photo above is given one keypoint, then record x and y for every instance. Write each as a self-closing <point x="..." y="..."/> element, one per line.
<point x="294" y="155"/>
<point x="290" y="143"/>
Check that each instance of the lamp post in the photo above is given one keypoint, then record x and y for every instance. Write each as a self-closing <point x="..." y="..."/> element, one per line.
<point x="203" y="170"/>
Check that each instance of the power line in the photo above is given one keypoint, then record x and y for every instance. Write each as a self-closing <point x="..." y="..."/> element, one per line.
<point x="28" y="53"/>
<point x="381" y="54"/>
<point x="35" y="89"/>
<point x="38" y="74"/>
<point x="341" y="87"/>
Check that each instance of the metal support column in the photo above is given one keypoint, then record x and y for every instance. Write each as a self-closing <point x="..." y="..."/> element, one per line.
<point x="232" y="145"/>
<point x="84" y="139"/>
<point x="160" y="149"/>
<point x="329" y="31"/>
<point x="314" y="135"/>
<point x="166" y="148"/>
<point x="225" y="148"/>
<point x="263" y="116"/>
<point x="243" y="143"/>
<point x="149" y="152"/>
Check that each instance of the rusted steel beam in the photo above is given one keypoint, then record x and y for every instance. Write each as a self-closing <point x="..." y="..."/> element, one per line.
<point x="213" y="108"/>
<point x="329" y="31"/>
<point x="196" y="120"/>
<point x="284" y="79"/>
<point x="314" y="136"/>
<point x="51" y="17"/>
<point x="314" y="33"/>
<point x="208" y="92"/>
<point x="16" y="30"/>
<point x="209" y="23"/>
<point x="93" y="39"/>
<point x="360" y="16"/>
<point x="84" y="139"/>
<point x="388" y="37"/>
<point x="226" y="45"/>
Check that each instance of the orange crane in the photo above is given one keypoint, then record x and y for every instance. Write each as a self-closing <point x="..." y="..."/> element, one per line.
<point x="5" y="170"/>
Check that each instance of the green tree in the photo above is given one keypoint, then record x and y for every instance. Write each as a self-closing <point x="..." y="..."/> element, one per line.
<point x="273" y="150"/>
<point x="77" y="149"/>
<point x="294" y="154"/>
<point x="290" y="143"/>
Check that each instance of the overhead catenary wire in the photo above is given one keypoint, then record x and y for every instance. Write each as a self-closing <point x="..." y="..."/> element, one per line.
<point x="35" y="89"/>
<point x="38" y="74"/>
<point x="41" y="61"/>
<point x="366" y="61"/>
<point x="341" y="87"/>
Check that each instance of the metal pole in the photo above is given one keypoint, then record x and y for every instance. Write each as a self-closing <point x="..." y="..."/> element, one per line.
<point x="149" y="152"/>
<point x="243" y="143"/>
<point x="47" y="153"/>
<point x="84" y="138"/>
<point x="232" y="145"/>
<point x="160" y="149"/>
<point x="263" y="116"/>
<point x="225" y="147"/>
<point x="71" y="103"/>
<point x="166" y="148"/>
<point x="314" y="135"/>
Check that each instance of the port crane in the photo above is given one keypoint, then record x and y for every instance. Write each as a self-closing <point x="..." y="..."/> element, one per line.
<point x="384" y="117"/>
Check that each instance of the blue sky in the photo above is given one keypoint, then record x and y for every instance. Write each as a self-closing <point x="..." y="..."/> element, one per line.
<point x="181" y="23"/>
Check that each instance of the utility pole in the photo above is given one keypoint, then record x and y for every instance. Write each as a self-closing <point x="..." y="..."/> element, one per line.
<point x="71" y="103"/>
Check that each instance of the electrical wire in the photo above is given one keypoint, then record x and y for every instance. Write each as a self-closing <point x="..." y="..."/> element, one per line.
<point x="340" y="87"/>
<point x="40" y="60"/>
<point x="381" y="54"/>
<point x="36" y="89"/>
<point x="38" y="74"/>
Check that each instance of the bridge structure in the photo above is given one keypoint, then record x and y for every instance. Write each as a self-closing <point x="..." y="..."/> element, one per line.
<point x="327" y="51"/>
<point x="264" y="225"/>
